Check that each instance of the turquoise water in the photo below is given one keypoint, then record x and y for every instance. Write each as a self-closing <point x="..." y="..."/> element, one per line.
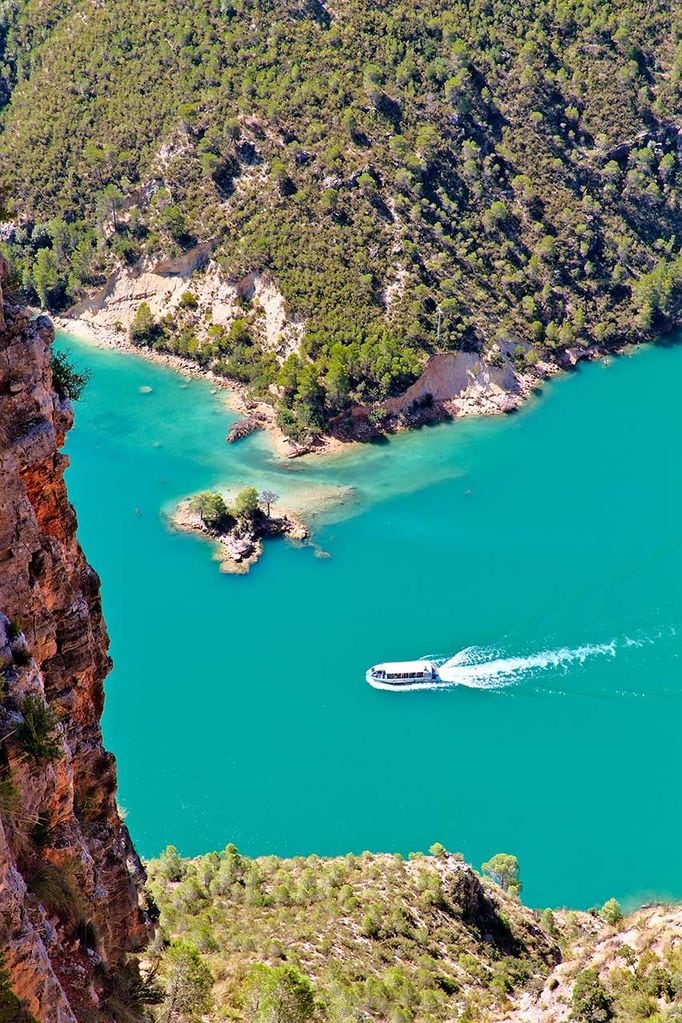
<point x="549" y="541"/>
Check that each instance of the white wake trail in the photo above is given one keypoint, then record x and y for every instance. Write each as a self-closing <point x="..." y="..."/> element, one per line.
<point x="485" y="668"/>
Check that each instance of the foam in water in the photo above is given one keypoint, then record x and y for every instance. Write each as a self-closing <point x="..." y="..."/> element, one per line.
<point x="488" y="668"/>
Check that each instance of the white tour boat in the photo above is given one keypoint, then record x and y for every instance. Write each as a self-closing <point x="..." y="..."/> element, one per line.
<point x="403" y="675"/>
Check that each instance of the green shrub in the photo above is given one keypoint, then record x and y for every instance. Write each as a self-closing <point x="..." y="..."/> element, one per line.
<point x="503" y="869"/>
<point x="37" y="732"/>
<point x="14" y="629"/>
<point x="246" y="503"/>
<point x="547" y="921"/>
<point x="210" y="507"/>
<point x="189" y="984"/>
<point x="170" y="864"/>
<point x="278" y="994"/>
<point x="611" y="913"/>
<point x="590" y="1001"/>
<point x="9" y="794"/>
<point x="371" y="923"/>
<point x="68" y="381"/>
<point x="658" y="983"/>
<point x="56" y="888"/>
<point x="143" y="329"/>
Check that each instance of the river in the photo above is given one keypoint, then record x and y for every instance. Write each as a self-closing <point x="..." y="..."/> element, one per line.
<point x="546" y="545"/>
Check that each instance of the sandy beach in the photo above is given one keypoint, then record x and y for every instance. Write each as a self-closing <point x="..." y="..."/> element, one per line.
<point x="234" y="392"/>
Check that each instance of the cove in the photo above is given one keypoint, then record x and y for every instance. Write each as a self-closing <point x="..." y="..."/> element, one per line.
<point x="549" y="542"/>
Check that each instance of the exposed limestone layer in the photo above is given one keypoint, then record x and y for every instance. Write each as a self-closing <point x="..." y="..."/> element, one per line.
<point x="161" y="284"/>
<point x="632" y="955"/>
<point x="69" y="876"/>
<point x="465" y="384"/>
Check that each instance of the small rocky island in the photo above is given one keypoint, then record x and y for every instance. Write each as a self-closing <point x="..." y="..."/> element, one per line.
<point x="240" y="527"/>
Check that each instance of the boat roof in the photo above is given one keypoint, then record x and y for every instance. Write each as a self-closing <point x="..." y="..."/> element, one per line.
<point x="406" y="666"/>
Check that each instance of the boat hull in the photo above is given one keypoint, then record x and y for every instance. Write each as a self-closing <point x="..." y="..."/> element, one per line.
<point x="406" y="686"/>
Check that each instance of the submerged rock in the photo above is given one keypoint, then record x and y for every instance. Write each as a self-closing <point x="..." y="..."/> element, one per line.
<point x="242" y="428"/>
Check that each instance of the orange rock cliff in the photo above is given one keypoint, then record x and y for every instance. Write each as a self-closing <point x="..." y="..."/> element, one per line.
<point x="71" y="904"/>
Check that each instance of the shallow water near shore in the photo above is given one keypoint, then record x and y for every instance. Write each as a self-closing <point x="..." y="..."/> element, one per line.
<point x="546" y="546"/>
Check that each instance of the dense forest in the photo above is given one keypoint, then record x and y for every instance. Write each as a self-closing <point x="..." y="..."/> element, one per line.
<point x="515" y="165"/>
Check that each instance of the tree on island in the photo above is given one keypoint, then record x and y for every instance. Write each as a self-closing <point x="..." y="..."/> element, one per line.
<point x="268" y="498"/>
<point x="210" y="507"/>
<point x="246" y="503"/>
<point x="503" y="869"/>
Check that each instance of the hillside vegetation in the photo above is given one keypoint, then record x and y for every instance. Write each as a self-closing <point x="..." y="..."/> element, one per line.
<point x="515" y="164"/>
<point x="377" y="937"/>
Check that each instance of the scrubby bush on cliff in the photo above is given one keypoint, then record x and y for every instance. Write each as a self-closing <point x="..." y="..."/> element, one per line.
<point x="170" y="865"/>
<point x="590" y="1001"/>
<point x="56" y="887"/>
<point x="611" y="912"/>
<point x="21" y="655"/>
<point x="13" y="628"/>
<point x="547" y="921"/>
<point x="277" y="994"/>
<point x="503" y="869"/>
<point x="189" y="985"/>
<point x="130" y="992"/>
<point x="9" y="794"/>
<point x="37" y="732"/>
<point x="67" y="380"/>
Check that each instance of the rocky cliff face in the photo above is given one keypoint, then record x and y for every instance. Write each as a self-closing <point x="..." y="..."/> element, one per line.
<point x="70" y="909"/>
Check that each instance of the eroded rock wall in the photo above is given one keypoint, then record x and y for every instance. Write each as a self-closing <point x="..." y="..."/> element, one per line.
<point x="70" y="903"/>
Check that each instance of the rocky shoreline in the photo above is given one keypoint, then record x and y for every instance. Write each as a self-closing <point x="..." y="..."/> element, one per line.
<point x="239" y="544"/>
<point x="259" y="412"/>
<point x="453" y="385"/>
